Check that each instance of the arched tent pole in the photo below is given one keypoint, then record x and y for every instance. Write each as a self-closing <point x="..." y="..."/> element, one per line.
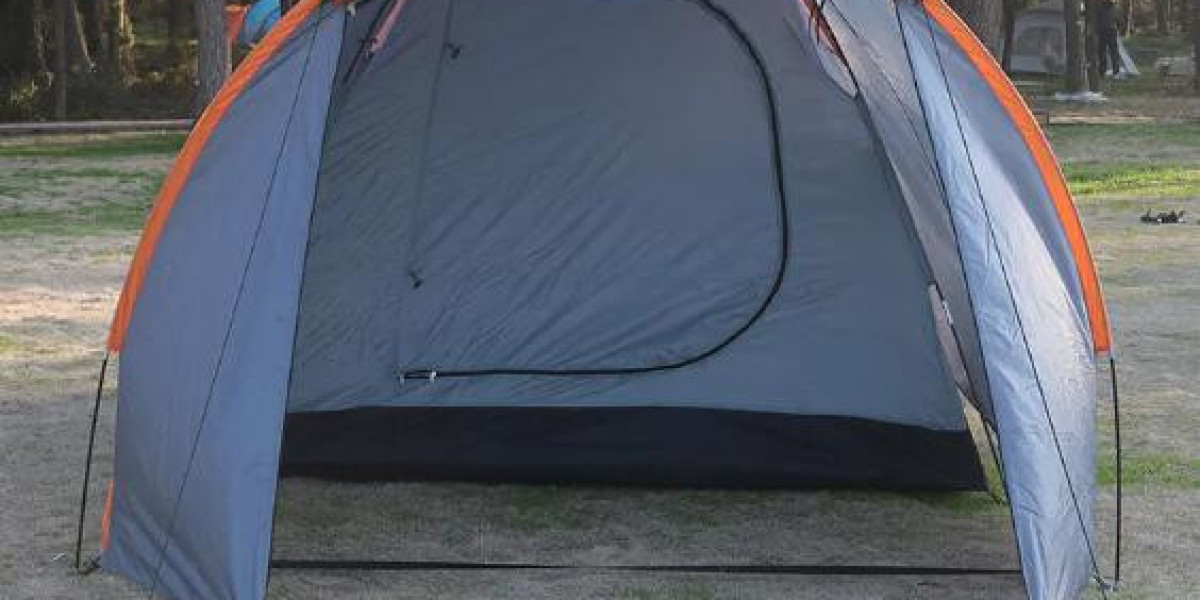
<point x="87" y="466"/>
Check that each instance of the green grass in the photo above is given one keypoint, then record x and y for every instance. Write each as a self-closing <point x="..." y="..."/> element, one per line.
<point x="90" y="220"/>
<point x="962" y="503"/>
<point x="542" y="508"/>
<point x="1157" y="470"/>
<point x="9" y="344"/>
<point x="1126" y="134"/>
<point x="100" y="147"/>
<point x="127" y="212"/>
<point x="45" y="176"/>
<point x="1145" y="180"/>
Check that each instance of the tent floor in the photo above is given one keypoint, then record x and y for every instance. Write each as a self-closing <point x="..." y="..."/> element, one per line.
<point x="674" y="447"/>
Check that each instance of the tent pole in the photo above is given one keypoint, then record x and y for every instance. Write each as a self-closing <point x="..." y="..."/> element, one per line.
<point x="87" y="467"/>
<point x="1116" y="403"/>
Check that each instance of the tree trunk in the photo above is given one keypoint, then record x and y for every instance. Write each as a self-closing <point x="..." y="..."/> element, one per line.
<point x="1127" y="17"/>
<point x="1074" y="67"/>
<point x="177" y="33"/>
<point x="63" y="10"/>
<point x="1162" y="16"/>
<point x="1010" y="26"/>
<point x="986" y="18"/>
<point x="93" y="26"/>
<point x="120" y="41"/>
<point x="1196" y="46"/>
<point x="1091" y="45"/>
<point x="212" y="56"/>
<point x="77" y="53"/>
<point x="21" y="31"/>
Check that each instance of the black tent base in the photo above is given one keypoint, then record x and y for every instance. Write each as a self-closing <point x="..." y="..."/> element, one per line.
<point x="770" y="569"/>
<point x="628" y="446"/>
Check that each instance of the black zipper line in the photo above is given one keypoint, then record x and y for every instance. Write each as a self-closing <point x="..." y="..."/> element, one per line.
<point x="722" y="16"/>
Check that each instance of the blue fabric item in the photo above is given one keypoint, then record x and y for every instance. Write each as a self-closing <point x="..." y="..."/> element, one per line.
<point x="206" y="362"/>
<point x="1035" y="341"/>
<point x="260" y="18"/>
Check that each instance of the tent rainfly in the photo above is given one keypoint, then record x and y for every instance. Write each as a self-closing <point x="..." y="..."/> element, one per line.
<point x="769" y="243"/>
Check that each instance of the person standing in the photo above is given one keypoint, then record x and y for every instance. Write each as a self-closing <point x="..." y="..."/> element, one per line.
<point x="1107" y="31"/>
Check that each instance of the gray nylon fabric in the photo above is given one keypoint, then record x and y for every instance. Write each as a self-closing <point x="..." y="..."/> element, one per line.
<point x="875" y="49"/>
<point x="535" y="191"/>
<point x="589" y="184"/>
<point x="1039" y="358"/>
<point x="258" y="167"/>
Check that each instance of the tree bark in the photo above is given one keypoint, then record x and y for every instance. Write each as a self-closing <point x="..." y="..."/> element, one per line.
<point x="1196" y="46"/>
<point x="77" y="47"/>
<point x="177" y="33"/>
<point x="986" y="19"/>
<point x="93" y="25"/>
<point x="1073" y="38"/>
<point x="212" y="56"/>
<point x="1162" y="16"/>
<point x="1010" y="25"/>
<point x="21" y="32"/>
<point x="63" y="10"/>
<point x="120" y="41"/>
<point x="1091" y="45"/>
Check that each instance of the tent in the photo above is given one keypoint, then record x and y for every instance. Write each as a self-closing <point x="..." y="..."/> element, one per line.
<point x="665" y="242"/>
<point x="1039" y="42"/>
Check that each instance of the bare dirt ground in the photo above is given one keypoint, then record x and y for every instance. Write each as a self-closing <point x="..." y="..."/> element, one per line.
<point x="58" y="285"/>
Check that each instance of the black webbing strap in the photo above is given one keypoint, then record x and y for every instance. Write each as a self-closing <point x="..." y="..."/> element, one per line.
<point x="760" y="569"/>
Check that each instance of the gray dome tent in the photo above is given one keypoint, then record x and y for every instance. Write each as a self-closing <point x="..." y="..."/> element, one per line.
<point x="1039" y="42"/>
<point x="687" y="242"/>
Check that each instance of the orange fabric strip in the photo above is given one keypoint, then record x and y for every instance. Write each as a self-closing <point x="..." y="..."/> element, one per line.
<point x="1036" y="139"/>
<point x="106" y="520"/>
<point x="178" y="177"/>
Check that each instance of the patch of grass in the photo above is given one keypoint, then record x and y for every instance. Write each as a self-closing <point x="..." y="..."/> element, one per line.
<point x="89" y="220"/>
<point x="42" y="176"/>
<point x="540" y="508"/>
<point x="1185" y="134"/>
<point x="962" y="503"/>
<point x="98" y="147"/>
<point x="1134" y="179"/>
<point x="9" y="344"/>
<point x="1153" y="470"/>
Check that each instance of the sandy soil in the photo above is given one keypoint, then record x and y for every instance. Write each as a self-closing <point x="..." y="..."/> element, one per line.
<point x="57" y="295"/>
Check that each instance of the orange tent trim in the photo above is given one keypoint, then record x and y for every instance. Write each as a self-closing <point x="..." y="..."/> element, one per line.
<point x="1044" y="156"/>
<point x="106" y="520"/>
<point x="177" y="178"/>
